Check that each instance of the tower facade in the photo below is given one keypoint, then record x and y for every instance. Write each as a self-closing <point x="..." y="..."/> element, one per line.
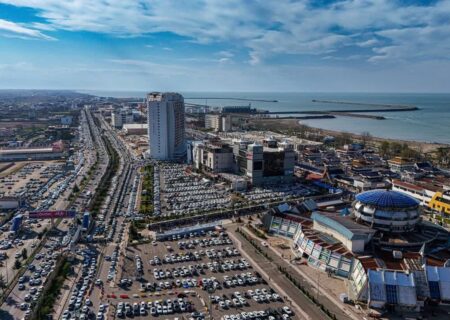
<point x="166" y="126"/>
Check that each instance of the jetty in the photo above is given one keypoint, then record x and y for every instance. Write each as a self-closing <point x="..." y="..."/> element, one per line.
<point x="390" y="107"/>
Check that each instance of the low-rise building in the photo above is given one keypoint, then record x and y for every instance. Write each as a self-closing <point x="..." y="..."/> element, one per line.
<point x="440" y="202"/>
<point x="56" y="151"/>
<point x="135" y="128"/>
<point x="7" y="203"/>
<point x="399" y="164"/>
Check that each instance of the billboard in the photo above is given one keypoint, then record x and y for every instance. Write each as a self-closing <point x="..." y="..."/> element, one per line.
<point x="52" y="214"/>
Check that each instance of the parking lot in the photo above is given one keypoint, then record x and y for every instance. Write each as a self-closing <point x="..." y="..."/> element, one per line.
<point x="184" y="192"/>
<point x="31" y="284"/>
<point x="196" y="276"/>
<point x="28" y="179"/>
<point x="38" y="183"/>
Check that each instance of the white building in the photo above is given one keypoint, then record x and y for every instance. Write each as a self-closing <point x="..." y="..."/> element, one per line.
<point x="218" y="122"/>
<point x="120" y="117"/>
<point x="226" y="123"/>
<point x="166" y="125"/>
<point x="135" y="128"/>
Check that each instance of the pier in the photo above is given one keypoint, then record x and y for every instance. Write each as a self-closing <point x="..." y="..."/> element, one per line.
<point x="312" y="117"/>
<point x="391" y="107"/>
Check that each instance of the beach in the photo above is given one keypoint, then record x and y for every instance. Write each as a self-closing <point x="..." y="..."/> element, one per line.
<point x="285" y="125"/>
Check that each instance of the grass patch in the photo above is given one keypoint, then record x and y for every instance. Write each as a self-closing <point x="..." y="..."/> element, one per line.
<point x="146" y="203"/>
<point x="105" y="182"/>
<point x="51" y="294"/>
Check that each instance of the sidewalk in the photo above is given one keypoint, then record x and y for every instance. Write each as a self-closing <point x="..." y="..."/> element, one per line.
<point x="325" y="290"/>
<point x="298" y="310"/>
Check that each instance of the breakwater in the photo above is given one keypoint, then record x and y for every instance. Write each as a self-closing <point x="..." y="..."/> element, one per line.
<point x="392" y="107"/>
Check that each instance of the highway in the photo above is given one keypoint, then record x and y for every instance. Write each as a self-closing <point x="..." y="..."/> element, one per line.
<point x="120" y="207"/>
<point x="53" y="241"/>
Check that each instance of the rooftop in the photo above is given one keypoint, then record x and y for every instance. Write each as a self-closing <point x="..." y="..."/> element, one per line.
<point x="20" y="151"/>
<point x="387" y="199"/>
<point x="343" y="225"/>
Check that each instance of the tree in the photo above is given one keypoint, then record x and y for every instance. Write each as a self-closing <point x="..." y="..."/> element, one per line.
<point x="3" y="284"/>
<point x="395" y="148"/>
<point x="17" y="264"/>
<point x="366" y="137"/>
<point x="76" y="189"/>
<point x="384" y="148"/>
<point x="24" y="254"/>
<point x="134" y="234"/>
<point x="303" y="129"/>
<point x="443" y="156"/>
<point x="344" y="138"/>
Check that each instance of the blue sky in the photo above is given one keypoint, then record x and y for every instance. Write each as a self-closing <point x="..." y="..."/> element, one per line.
<point x="233" y="45"/>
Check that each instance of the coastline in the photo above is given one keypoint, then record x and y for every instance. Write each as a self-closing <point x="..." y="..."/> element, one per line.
<point x="293" y="124"/>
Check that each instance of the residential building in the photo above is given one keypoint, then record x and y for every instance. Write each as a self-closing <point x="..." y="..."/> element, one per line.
<point x="119" y="117"/>
<point x="166" y="126"/>
<point x="213" y="121"/>
<point x="399" y="164"/>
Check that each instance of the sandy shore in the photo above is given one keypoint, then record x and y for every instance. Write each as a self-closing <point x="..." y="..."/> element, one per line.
<point x="293" y="124"/>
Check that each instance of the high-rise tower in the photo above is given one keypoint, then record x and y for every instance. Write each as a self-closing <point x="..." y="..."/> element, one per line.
<point x="166" y="133"/>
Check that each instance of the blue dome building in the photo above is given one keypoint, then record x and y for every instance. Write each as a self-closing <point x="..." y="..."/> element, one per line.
<point x="386" y="210"/>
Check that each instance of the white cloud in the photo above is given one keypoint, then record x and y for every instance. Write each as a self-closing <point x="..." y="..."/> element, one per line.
<point x="368" y="43"/>
<point x="12" y="29"/>
<point x="224" y="60"/>
<point x="264" y="27"/>
<point x="225" y="54"/>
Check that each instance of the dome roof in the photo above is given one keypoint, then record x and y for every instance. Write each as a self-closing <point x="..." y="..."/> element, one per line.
<point x="387" y="199"/>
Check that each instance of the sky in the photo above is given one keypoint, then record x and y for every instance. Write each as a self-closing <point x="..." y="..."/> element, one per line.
<point x="226" y="45"/>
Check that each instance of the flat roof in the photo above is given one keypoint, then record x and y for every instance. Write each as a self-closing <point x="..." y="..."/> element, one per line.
<point x="407" y="185"/>
<point x="20" y="151"/>
<point x="135" y="126"/>
<point x="189" y="229"/>
<point x="343" y="225"/>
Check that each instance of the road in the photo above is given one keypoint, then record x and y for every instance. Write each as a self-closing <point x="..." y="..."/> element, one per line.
<point x="121" y="203"/>
<point x="277" y="277"/>
<point x="272" y="268"/>
<point x="10" y="309"/>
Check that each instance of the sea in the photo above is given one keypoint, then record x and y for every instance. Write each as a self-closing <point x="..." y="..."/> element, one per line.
<point x="431" y="123"/>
